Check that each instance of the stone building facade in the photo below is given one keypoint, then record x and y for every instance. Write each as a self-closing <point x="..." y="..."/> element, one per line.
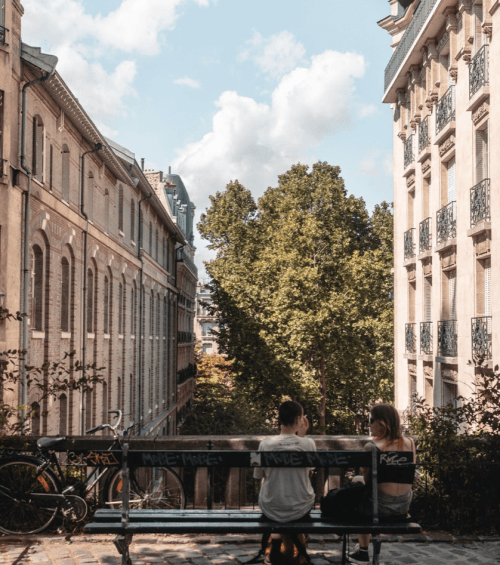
<point x="445" y="95"/>
<point x="85" y="250"/>
<point x="205" y="321"/>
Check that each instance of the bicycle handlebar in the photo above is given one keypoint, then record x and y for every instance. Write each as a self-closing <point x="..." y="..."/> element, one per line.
<point x="102" y="426"/>
<point x="94" y="430"/>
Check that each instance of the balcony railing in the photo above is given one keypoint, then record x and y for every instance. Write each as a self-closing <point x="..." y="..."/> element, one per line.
<point x="3" y="34"/>
<point x="446" y="222"/>
<point x="184" y="374"/>
<point x="409" y="157"/>
<point x="409" y="244"/>
<point x="481" y="337"/>
<point x="410" y="338"/>
<point x="419" y="18"/>
<point x="423" y="134"/>
<point x="478" y="71"/>
<point x="445" y="109"/>
<point x="424" y="235"/>
<point x="480" y="202"/>
<point x="426" y="338"/>
<point x="447" y="338"/>
<point x="184" y="337"/>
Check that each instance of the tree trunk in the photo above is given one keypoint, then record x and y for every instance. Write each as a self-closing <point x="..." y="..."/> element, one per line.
<point x="322" y="402"/>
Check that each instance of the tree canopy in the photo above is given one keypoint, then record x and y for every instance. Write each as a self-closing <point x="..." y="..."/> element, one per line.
<point x="302" y="284"/>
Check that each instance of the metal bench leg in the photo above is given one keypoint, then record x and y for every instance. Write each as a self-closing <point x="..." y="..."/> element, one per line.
<point x="377" y="544"/>
<point x="122" y="544"/>
<point x="344" y="549"/>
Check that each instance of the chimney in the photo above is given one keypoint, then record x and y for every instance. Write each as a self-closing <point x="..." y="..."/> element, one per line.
<point x="169" y="170"/>
<point x="142" y="164"/>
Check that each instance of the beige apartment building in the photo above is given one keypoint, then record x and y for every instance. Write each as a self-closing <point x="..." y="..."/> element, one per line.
<point x="443" y="84"/>
<point x="205" y="321"/>
<point x="89" y="252"/>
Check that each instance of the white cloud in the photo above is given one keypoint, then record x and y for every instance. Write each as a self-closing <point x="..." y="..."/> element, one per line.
<point x="254" y="142"/>
<point x="375" y="164"/>
<point x="366" y="110"/>
<point x="276" y="55"/>
<point x="78" y="39"/>
<point x="186" y="81"/>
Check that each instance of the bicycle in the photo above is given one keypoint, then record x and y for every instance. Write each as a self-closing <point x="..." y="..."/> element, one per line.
<point x="34" y="490"/>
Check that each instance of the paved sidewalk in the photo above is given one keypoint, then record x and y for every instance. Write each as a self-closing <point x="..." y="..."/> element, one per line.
<point x="231" y="550"/>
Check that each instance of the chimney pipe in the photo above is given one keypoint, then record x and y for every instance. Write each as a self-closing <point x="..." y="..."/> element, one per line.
<point x="142" y="163"/>
<point x="169" y="170"/>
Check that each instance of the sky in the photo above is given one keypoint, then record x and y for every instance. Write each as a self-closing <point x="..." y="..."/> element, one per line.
<point x="230" y="89"/>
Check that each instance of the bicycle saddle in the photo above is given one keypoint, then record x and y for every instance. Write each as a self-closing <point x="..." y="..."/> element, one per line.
<point x="48" y="442"/>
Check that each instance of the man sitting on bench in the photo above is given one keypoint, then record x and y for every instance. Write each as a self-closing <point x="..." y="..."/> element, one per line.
<point x="286" y="494"/>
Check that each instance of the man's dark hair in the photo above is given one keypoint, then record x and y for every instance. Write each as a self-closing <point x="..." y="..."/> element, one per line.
<point x="289" y="411"/>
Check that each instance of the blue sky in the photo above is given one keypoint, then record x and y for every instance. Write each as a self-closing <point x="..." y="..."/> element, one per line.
<point x="226" y="89"/>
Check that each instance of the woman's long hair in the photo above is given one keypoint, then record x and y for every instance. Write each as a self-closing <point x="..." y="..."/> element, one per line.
<point x="388" y="417"/>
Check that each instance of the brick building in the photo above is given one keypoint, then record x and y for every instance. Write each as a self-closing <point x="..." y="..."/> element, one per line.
<point x="90" y="206"/>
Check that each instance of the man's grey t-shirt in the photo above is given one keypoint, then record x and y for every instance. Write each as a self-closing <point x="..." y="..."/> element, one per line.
<point x="286" y="493"/>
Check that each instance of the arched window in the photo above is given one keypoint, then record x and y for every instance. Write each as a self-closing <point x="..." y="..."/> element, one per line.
<point x="38" y="289"/>
<point x="65" y="173"/>
<point x="38" y="138"/>
<point x="106" y="210"/>
<point x="156" y="250"/>
<point x="120" y="308"/>
<point x="106" y="305"/>
<point x="65" y="292"/>
<point x="132" y="220"/>
<point x="90" y="196"/>
<point x="120" y="208"/>
<point x="63" y="415"/>
<point x="35" y="419"/>
<point x="90" y="301"/>
<point x="151" y="238"/>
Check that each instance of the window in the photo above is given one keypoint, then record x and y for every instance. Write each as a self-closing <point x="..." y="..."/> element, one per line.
<point x="105" y="402"/>
<point x="120" y="208"/>
<point x="483" y="287"/>
<point x="427" y="299"/>
<point x="451" y="180"/>
<point x="411" y="302"/>
<point x="207" y="348"/>
<point x="65" y="173"/>
<point x="106" y="305"/>
<point x="133" y="306"/>
<point x="452" y="293"/>
<point x="151" y="238"/>
<point x="151" y="315"/>
<point x="88" y="409"/>
<point x="156" y="250"/>
<point x="65" y="292"/>
<point x="478" y="22"/>
<point x="163" y="261"/>
<point x="120" y="308"/>
<point x="450" y="393"/>
<point x="63" y="415"/>
<point x="132" y="220"/>
<point x="35" y="419"/>
<point x="38" y="289"/>
<point x="119" y="394"/>
<point x="90" y="197"/>
<point x="482" y="155"/>
<point x="106" y="210"/>
<point x="51" y="166"/>
<point x="90" y="301"/>
<point x="37" y="158"/>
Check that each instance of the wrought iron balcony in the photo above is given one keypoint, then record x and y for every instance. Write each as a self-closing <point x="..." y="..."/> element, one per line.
<point x="410" y="338"/>
<point x="447" y="338"/>
<point x="424" y="235"/>
<point x="481" y="337"/>
<point x="426" y="338"/>
<point x="446" y="222"/>
<point x="423" y="134"/>
<point x="418" y="20"/>
<point x="3" y="33"/>
<point x="445" y="109"/>
<point x="409" y="244"/>
<point x="478" y="70"/>
<point x="480" y="202"/>
<point x="409" y="157"/>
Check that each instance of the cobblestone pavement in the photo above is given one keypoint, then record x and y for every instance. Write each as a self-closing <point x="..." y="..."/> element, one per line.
<point x="233" y="550"/>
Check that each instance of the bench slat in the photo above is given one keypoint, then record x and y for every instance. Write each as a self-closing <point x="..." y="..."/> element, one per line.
<point x="232" y="527"/>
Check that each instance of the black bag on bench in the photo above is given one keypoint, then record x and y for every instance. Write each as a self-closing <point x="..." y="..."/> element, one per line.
<point x="344" y="502"/>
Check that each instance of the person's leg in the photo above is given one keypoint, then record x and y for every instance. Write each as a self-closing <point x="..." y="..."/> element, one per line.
<point x="360" y="553"/>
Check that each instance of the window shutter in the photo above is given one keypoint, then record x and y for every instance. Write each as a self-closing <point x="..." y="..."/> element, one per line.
<point x="478" y="39"/>
<point x="39" y="152"/>
<point x="449" y="393"/>
<point x="486" y="167"/>
<point x="427" y="299"/>
<point x="430" y="197"/>
<point x="65" y="175"/>
<point x="451" y="180"/>
<point x="479" y="155"/>
<point x="487" y="287"/>
<point x="453" y="294"/>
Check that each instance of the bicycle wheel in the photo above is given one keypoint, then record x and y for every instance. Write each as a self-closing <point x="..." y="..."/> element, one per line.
<point x="150" y="487"/>
<point x="21" y="510"/>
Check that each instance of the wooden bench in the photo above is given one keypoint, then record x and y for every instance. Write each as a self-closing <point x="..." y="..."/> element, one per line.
<point x="126" y="522"/>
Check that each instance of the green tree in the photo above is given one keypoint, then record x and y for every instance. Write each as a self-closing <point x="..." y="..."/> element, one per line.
<point x="301" y="282"/>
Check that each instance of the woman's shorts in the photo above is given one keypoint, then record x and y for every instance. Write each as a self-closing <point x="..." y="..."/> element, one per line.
<point x="388" y="505"/>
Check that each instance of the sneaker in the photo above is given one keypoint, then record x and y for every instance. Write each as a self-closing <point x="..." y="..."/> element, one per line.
<point x="359" y="555"/>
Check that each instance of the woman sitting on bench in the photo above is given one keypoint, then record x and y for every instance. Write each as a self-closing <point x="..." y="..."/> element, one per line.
<point x="394" y="483"/>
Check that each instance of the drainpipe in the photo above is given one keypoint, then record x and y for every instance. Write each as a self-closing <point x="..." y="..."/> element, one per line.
<point x="98" y="147"/>
<point x="27" y="210"/>
<point x="141" y="298"/>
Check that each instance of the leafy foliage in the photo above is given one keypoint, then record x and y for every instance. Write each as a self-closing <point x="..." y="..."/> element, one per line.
<point x="218" y="408"/>
<point x="459" y="449"/>
<point x="49" y="380"/>
<point x="301" y="282"/>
